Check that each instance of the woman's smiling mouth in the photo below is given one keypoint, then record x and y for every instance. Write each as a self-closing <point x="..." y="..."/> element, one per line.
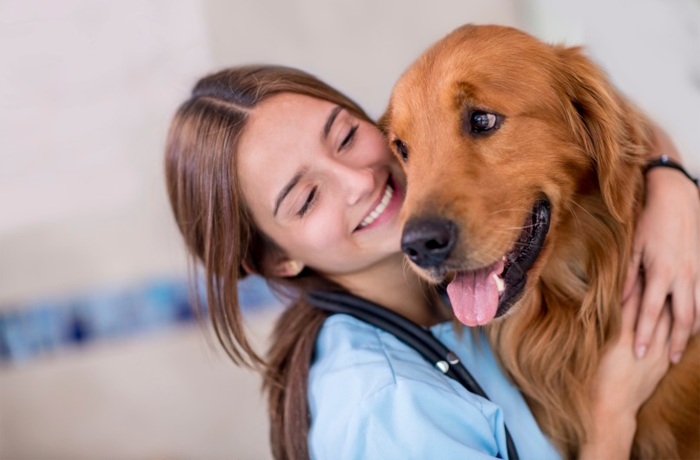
<point x="388" y="192"/>
<point x="389" y="201"/>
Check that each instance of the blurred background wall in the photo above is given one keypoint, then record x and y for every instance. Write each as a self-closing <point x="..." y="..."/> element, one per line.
<point x="99" y="355"/>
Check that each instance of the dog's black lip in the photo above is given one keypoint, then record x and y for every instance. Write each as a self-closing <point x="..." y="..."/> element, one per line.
<point x="515" y="273"/>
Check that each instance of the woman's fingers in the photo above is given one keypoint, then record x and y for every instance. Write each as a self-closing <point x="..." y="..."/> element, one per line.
<point x="685" y="303"/>
<point x="696" y="324"/>
<point x="660" y="344"/>
<point x="630" y="307"/>
<point x="683" y="318"/>
<point x="655" y="293"/>
<point x="667" y="242"/>
<point x="633" y="269"/>
<point x="695" y="291"/>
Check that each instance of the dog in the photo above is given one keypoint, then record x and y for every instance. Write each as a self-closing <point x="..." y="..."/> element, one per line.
<point x="524" y="175"/>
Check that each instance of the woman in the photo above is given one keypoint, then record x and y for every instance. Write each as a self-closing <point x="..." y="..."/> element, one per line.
<point x="272" y="172"/>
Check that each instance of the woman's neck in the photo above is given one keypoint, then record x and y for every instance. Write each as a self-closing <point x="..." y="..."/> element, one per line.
<point x="394" y="285"/>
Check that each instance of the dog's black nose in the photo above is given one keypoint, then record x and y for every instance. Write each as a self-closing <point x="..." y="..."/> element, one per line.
<point x="428" y="242"/>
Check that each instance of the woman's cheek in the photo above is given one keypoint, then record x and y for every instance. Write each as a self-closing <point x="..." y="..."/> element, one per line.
<point x="323" y="235"/>
<point x="325" y="247"/>
<point x="373" y="151"/>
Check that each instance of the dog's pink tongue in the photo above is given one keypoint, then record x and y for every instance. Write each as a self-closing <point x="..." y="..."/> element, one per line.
<point x="474" y="295"/>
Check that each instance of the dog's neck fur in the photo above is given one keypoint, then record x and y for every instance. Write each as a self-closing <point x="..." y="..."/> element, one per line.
<point x="565" y="322"/>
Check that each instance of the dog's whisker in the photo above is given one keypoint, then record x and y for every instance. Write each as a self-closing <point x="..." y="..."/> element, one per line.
<point x="574" y="214"/>
<point x="523" y="227"/>
<point x="492" y="253"/>
<point x="515" y="210"/>
<point x="406" y="268"/>
<point x="572" y="202"/>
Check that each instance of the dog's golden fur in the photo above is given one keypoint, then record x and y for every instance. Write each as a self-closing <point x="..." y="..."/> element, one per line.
<point x="568" y="135"/>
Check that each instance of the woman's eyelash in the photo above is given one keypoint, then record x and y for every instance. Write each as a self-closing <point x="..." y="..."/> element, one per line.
<point x="308" y="203"/>
<point x="349" y="138"/>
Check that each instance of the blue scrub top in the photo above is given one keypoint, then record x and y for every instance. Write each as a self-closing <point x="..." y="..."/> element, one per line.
<point x="373" y="397"/>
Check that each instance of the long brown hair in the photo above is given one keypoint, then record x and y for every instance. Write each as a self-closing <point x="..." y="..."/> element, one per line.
<point x="220" y="234"/>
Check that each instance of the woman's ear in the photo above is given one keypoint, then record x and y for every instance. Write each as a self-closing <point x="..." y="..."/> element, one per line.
<point x="247" y="269"/>
<point x="287" y="268"/>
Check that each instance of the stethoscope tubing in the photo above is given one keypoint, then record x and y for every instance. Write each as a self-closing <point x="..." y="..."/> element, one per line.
<point x="420" y="346"/>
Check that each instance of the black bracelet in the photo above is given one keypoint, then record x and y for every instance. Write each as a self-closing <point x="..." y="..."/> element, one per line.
<point x="666" y="162"/>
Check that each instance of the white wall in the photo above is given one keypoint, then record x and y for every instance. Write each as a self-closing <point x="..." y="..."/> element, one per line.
<point x="87" y="90"/>
<point x="360" y="47"/>
<point x="169" y="395"/>
<point x="650" y="49"/>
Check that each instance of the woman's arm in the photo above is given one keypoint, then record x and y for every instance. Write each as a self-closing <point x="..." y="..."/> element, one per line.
<point x="623" y="383"/>
<point x="667" y="250"/>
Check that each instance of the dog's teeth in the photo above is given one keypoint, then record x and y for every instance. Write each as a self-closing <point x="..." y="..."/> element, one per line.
<point x="500" y="285"/>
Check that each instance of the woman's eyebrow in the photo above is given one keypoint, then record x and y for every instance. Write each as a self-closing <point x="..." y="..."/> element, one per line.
<point x="329" y="122"/>
<point x="285" y="191"/>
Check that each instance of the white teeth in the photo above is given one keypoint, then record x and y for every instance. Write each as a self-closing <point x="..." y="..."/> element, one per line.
<point x="376" y="212"/>
<point x="500" y="285"/>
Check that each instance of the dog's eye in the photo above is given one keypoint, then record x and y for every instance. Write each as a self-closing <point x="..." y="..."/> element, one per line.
<point x="480" y="123"/>
<point x="401" y="149"/>
<point x="483" y="121"/>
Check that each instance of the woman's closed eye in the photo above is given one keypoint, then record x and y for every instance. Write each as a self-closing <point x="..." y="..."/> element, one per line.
<point x="347" y="141"/>
<point x="308" y="203"/>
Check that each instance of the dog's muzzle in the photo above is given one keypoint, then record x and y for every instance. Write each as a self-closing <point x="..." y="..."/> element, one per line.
<point x="482" y="294"/>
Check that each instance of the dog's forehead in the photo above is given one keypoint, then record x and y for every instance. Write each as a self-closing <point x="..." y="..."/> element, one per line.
<point x="484" y="65"/>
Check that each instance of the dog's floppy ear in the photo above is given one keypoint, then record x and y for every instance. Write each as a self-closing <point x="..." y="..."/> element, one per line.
<point x="599" y="119"/>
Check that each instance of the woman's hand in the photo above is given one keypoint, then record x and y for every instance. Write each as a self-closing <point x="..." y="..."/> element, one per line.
<point x="667" y="249"/>
<point x="624" y="382"/>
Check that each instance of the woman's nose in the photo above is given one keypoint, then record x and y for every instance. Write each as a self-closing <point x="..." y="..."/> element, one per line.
<point x="356" y="182"/>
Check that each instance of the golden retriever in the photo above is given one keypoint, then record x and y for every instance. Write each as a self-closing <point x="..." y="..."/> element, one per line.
<point x="524" y="180"/>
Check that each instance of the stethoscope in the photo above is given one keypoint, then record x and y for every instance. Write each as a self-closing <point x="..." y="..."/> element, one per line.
<point x="410" y="333"/>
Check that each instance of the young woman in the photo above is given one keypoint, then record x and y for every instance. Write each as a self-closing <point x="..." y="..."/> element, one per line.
<point x="272" y="172"/>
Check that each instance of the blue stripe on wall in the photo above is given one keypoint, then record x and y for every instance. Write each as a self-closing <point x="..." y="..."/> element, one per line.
<point x="45" y="327"/>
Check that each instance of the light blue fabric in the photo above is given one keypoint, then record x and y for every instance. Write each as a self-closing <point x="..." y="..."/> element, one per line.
<point x="372" y="397"/>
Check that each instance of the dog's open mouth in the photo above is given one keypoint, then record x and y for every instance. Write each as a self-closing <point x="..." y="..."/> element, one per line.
<point x="479" y="296"/>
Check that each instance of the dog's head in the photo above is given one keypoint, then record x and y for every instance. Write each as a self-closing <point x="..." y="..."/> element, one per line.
<point x="498" y="132"/>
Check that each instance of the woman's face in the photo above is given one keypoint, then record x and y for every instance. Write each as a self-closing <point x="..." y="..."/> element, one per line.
<point x="321" y="183"/>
